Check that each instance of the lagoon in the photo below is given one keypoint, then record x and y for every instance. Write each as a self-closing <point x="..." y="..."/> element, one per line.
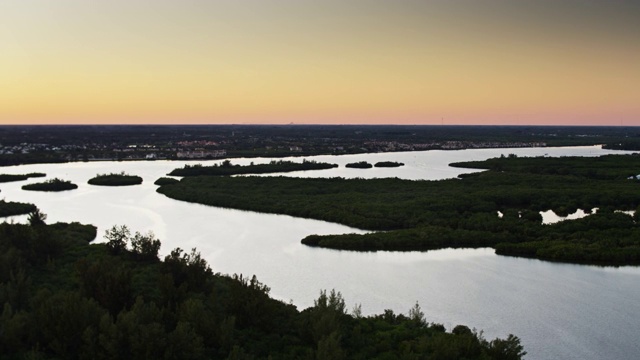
<point x="558" y="310"/>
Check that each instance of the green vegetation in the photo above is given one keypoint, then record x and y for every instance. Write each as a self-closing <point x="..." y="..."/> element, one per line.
<point x="388" y="164"/>
<point x="424" y="215"/>
<point x="65" y="299"/>
<point x="113" y="179"/>
<point x="608" y="167"/>
<point x="39" y="158"/>
<point x="165" y="181"/>
<point x="359" y="165"/>
<point x="19" y="177"/>
<point x="9" y="208"/>
<point x="51" y="185"/>
<point x="37" y="218"/>
<point x="226" y="168"/>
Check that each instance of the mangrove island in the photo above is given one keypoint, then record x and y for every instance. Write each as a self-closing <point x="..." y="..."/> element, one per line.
<point x="425" y="215"/>
<point x="51" y="185"/>
<point x="113" y="179"/>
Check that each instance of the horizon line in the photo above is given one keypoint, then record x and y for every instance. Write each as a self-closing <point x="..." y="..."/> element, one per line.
<point x="317" y="124"/>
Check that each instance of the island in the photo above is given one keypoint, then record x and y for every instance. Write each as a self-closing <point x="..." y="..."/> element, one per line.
<point x="359" y="165"/>
<point x="66" y="299"/>
<point x="114" y="179"/>
<point x="10" y="208"/>
<point x="406" y="215"/>
<point x="226" y="168"/>
<point x="51" y="185"/>
<point x="19" y="177"/>
<point x="388" y="164"/>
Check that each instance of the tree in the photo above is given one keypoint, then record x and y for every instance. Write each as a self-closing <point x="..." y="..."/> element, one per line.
<point x="62" y="317"/>
<point x="357" y="311"/>
<point x="37" y="218"/>
<point x="117" y="238"/>
<point x="108" y="281"/>
<point x="145" y="247"/>
<point x="416" y="315"/>
<point x="327" y="315"/>
<point x="509" y="349"/>
<point x="329" y="348"/>
<point x="187" y="267"/>
<point x="333" y="302"/>
<point x="461" y="330"/>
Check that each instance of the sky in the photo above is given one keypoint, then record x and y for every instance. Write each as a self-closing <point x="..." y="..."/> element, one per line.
<point x="452" y="62"/>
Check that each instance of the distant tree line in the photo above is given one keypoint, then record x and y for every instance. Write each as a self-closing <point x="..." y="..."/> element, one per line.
<point x="359" y="165"/>
<point x="37" y="158"/>
<point x="607" y="167"/>
<point x="226" y="168"/>
<point x="19" y="177"/>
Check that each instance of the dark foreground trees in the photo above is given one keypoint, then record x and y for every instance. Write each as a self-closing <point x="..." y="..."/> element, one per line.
<point x="64" y="299"/>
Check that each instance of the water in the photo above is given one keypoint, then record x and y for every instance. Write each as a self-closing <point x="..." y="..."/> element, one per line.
<point x="560" y="311"/>
<point x="550" y="217"/>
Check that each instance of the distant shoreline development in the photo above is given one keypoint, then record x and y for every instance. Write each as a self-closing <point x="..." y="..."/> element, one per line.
<point x="43" y="144"/>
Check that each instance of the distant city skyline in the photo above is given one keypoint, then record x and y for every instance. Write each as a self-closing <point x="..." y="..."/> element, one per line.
<point x="451" y="62"/>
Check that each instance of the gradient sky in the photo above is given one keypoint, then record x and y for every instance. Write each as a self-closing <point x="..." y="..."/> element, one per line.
<point x="344" y="61"/>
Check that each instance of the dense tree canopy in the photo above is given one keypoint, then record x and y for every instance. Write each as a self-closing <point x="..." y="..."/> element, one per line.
<point x="608" y="167"/>
<point x="65" y="299"/>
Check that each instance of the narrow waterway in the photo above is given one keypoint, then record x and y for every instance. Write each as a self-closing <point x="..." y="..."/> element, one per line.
<point x="560" y="311"/>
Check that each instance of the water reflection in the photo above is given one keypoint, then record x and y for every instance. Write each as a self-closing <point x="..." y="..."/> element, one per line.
<point x="559" y="310"/>
<point x="550" y="217"/>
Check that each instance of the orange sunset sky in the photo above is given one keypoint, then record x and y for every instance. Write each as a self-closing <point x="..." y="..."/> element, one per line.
<point x="547" y="62"/>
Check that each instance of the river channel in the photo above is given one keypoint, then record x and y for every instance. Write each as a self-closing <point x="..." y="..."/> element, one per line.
<point x="560" y="311"/>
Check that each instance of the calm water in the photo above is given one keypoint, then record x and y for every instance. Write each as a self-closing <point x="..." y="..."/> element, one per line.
<point x="559" y="311"/>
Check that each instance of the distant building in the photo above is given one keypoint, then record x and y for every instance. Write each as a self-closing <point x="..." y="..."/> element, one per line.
<point x="201" y="154"/>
